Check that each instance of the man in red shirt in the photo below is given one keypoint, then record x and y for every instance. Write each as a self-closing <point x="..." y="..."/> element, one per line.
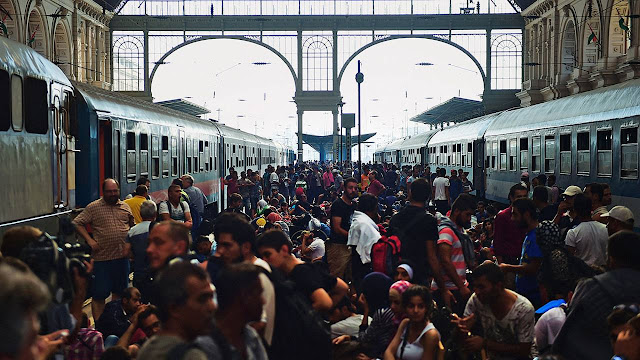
<point x="508" y="238"/>
<point x="375" y="187"/>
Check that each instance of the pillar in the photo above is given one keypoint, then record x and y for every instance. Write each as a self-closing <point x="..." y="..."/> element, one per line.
<point x="147" y="85"/>
<point x="336" y="136"/>
<point x="487" y="71"/>
<point x="300" y="113"/>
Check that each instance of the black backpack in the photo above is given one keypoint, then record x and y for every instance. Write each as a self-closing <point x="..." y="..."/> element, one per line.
<point x="299" y="331"/>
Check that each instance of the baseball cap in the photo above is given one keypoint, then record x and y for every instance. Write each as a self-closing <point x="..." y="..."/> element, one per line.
<point x="525" y="174"/>
<point x="621" y="213"/>
<point x="572" y="191"/>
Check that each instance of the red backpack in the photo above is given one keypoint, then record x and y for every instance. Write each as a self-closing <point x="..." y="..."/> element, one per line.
<point x="385" y="254"/>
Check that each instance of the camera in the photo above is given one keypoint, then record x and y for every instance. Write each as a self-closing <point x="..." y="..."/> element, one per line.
<point x="54" y="263"/>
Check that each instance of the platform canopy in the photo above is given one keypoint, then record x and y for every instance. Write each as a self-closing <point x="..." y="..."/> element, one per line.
<point x="454" y="110"/>
<point x="324" y="143"/>
<point x="184" y="106"/>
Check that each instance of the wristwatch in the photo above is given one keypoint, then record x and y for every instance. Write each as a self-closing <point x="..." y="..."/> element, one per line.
<point x="617" y="357"/>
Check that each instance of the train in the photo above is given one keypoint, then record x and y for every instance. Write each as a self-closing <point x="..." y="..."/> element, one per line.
<point x="583" y="138"/>
<point x="60" y="139"/>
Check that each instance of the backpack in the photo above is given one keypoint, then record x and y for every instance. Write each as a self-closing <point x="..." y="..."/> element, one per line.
<point x="159" y="217"/>
<point x="299" y="331"/>
<point x="385" y="254"/>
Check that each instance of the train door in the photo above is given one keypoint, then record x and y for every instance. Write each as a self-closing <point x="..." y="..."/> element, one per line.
<point x="182" y="152"/>
<point x="479" y="170"/>
<point x="60" y="131"/>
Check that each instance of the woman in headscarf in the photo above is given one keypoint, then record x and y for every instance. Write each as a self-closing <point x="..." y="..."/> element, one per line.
<point x="404" y="271"/>
<point x="395" y="300"/>
<point x="374" y="299"/>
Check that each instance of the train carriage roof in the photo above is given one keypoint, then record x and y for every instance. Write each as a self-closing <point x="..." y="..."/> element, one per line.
<point x="469" y="130"/>
<point x="611" y="102"/>
<point x="119" y="106"/>
<point x="20" y="59"/>
<point x="416" y="141"/>
<point x="392" y="146"/>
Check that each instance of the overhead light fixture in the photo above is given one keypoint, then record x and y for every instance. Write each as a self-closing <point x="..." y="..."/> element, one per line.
<point x="424" y="63"/>
<point x="260" y="63"/>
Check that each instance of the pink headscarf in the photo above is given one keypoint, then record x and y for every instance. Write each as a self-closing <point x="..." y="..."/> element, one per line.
<point x="399" y="286"/>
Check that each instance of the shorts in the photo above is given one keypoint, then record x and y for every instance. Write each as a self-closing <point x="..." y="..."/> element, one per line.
<point x="339" y="259"/>
<point x="111" y="276"/>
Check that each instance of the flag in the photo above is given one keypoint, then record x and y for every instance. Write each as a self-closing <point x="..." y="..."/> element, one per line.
<point x="592" y="37"/>
<point x="623" y="26"/>
<point x="32" y="39"/>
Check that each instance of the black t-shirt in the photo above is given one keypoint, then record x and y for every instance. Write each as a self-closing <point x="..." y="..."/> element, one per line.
<point x="297" y="210"/>
<point x="390" y="178"/>
<point x="548" y="213"/>
<point x="309" y="277"/>
<point x="414" y="227"/>
<point x="341" y="209"/>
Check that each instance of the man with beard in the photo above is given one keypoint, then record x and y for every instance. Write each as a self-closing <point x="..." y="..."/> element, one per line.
<point x="524" y="214"/>
<point x="507" y="318"/>
<point x="338" y="253"/>
<point x="186" y="310"/>
<point x="236" y="244"/>
<point x="451" y="255"/>
<point x="110" y="220"/>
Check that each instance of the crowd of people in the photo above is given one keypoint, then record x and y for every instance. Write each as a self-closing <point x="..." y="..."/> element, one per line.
<point x="319" y="261"/>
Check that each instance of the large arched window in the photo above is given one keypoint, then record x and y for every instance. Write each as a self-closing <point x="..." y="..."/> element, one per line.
<point x="506" y="62"/>
<point x="128" y="63"/>
<point x="62" y="49"/>
<point x="568" y="55"/>
<point x="318" y="68"/>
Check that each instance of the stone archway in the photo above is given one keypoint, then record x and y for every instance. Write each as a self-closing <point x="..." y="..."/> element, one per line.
<point x="568" y="60"/>
<point x="62" y="48"/>
<point x="10" y="20"/>
<point x="428" y="37"/>
<point x="36" y="35"/>
<point x="619" y="29"/>
<point x="591" y="42"/>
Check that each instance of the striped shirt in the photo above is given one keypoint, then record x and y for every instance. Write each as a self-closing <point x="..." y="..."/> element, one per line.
<point x="110" y="225"/>
<point x="447" y="236"/>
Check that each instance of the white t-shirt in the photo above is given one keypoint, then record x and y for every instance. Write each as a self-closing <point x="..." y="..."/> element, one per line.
<point x="590" y="240"/>
<point x="548" y="327"/>
<point x="176" y="212"/>
<point x="516" y="327"/>
<point x="349" y="326"/>
<point x="316" y="249"/>
<point x="440" y="183"/>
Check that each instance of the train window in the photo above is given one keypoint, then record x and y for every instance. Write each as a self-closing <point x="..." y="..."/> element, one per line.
<point x="513" y="151"/>
<point x="629" y="153"/>
<point x="155" y="157"/>
<point x="604" y="152"/>
<point x="524" y="153"/>
<point x="550" y="154"/>
<point x="165" y="156"/>
<point x="16" y="103"/>
<point x="494" y="155"/>
<point x="535" y="153"/>
<point x="196" y="156"/>
<point x="584" y="155"/>
<point x="234" y="149"/>
<point x="174" y="156"/>
<point x="5" y="104"/>
<point x="503" y="154"/>
<point x="188" y="159"/>
<point x="487" y="152"/>
<point x="565" y="154"/>
<point x="144" y="155"/>
<point x="201" y="157"/>
<point x="459" y="160"/>
<point x="207" y="165"/>
<point x="36" y="115"/>
<point x="469" y="154"/>
<point x="131" y="157"/>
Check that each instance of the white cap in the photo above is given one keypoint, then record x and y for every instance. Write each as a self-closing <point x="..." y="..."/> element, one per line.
<point x="572" y="191"/>
<point x="621" y="213"/>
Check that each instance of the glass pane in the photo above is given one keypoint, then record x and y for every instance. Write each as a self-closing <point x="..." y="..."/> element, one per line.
<point x="565" y="162"/>
<point x="503" y="161"/>
<point x="5" y="104"/>
<point x="144" y="163"/>
<point x="583" y="162"/>
<point x="535" y="147"/>
<point x="549" y="165"/>
<point x="155" y="146"/>
<point x="604" y="162"/>
<point x="629" y="161"/>
<point x="512" y="147"/>
<point x="16" y="102"/>
<point x="165" y="163"/>
<point x="469" y="159"/>
<point x="131" y="164"/>
<point x="524" y="159"/>
<point x="549" y="149"/>
<point x="535" y="163"/>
